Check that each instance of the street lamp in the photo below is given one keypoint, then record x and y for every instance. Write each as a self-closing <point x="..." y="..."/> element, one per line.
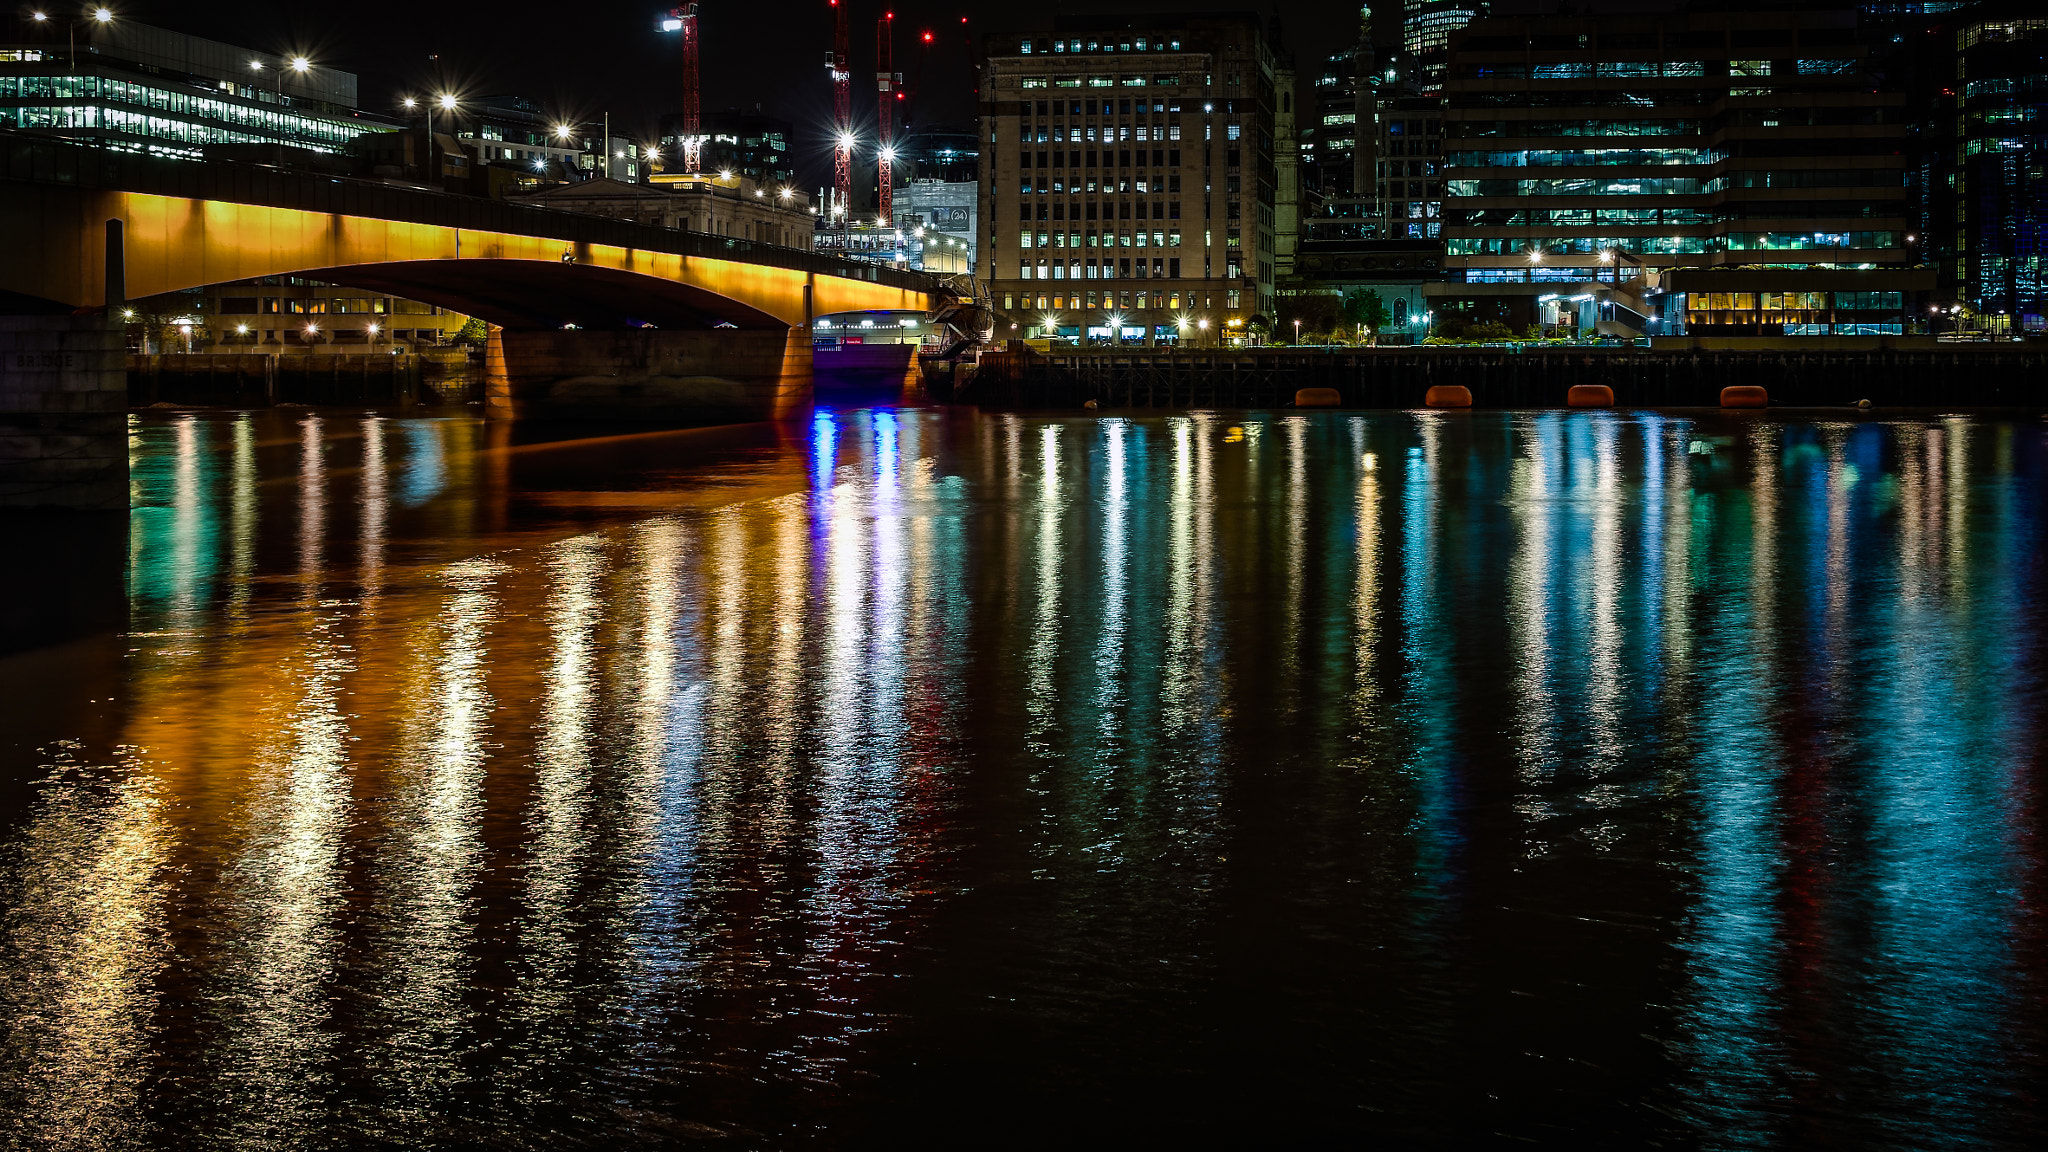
<point x="1297" y="333"/>
<point x="98" y="15"/>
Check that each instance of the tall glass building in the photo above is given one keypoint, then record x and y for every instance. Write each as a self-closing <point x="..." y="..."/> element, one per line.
<point x="133" y="88"/>
<point x="1426" y="27"/>
<point x="1985" y="170"/>
<point x="1731" y="173"/>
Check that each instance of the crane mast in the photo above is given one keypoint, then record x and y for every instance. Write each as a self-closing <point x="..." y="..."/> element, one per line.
<point x="885" y="81"/>
<point x="842" y="117"/>
<point x="684" y="20"/>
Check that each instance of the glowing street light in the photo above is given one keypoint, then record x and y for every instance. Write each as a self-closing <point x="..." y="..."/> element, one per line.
<point x="447" y="101"/>
<point x="563" y="131"/>
<point x="1535" y="255"/>
<point x="301" y="65"/>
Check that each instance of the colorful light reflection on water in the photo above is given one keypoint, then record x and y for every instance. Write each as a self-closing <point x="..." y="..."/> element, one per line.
<point x="913" y="776"/>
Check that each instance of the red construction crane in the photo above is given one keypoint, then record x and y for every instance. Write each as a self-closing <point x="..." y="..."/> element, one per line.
<point x="684" y="20"/>
<point x="842" y="118"/>
<point x="886" y="83"/>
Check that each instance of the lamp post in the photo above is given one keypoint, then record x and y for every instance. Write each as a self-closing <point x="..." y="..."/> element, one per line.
<point x="1297" y="333"/>
<point x="97" y="15"/>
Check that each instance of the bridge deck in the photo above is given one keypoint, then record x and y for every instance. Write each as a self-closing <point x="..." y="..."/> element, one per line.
<point x="34" y="160"/>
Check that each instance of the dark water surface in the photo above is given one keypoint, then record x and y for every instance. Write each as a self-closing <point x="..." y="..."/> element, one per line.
<point x="915" y="778"/>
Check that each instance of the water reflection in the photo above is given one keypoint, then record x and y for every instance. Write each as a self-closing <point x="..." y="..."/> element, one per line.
<point x="1649" y="777"/>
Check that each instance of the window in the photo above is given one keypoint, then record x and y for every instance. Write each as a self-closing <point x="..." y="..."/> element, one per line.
<point x="1034" y="81"/>
<point x="238" y="305"/>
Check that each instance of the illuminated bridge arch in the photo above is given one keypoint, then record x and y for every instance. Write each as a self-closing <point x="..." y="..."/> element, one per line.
<point x="185" y="226"/>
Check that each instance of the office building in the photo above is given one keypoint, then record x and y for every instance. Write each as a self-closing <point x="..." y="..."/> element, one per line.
<point x="946" y="153"/>
<point x="1426" y="29"/>
<point x="1128" y="184"/>
<point x="947" y="211"/>
<point x="133" y="88"/>
<point x="1408" y="131"/>
<point x="512" y="133"/>
<point x="745" y="143"/>
<point x="298" y="315"/>
<point x="721" y="205"/>
<point x="1729" y="173"/>
<point x="1983" y="176"/>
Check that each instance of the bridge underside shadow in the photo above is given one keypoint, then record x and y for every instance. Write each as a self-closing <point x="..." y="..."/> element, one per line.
<point x="570" y="343"/>
<point x="537" y="295"/>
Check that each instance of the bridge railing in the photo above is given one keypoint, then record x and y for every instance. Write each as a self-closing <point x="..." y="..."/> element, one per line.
<point x="40" y="160"/>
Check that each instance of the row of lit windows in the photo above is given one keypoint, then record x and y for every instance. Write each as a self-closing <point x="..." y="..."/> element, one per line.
<point x="1671" y="127"/>
<point x="1584" y="157"/>
<point x="1539" y="217"/>
<point x="1168" y="299"/>
<point x="73" y="117"/>
<point x="1780" y="301"/>
<point x="1648" y="69"/>
<point x="1167" y="183"/>
<point x="1672" y="245"/>
<point x="1161" y="80"/>
<point x="1079" y="239"/>
<point x="276" y="123"/>
<point x="1124" y="268"/>
<point x="336" y="305"/>
<point x="1514" y="246"/>
<point x="1678" y="185"/>
<point x="1140" y="44"/>
<point x="1109" y="133"/>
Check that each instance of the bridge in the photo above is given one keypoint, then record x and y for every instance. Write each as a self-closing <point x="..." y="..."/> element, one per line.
<point x="590" y="318"/>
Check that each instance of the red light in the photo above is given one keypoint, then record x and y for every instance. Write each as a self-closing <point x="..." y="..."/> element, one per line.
<point x="927" y="37"/>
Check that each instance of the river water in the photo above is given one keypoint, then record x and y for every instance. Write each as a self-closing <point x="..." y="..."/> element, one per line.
<point x="922" y="778"/>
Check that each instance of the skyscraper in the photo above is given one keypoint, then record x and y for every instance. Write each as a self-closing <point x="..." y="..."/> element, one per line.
<point x="1426" y="27"/>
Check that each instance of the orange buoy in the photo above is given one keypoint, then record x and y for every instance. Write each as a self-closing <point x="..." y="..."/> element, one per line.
<point x="1589" y="396"/>
<point x="1317" y="398"/>
<point x="1448" y="396"/>
<point x="1745" y="396"/>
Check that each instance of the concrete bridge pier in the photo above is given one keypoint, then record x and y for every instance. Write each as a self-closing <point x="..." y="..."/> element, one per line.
<point x="651" y="375"/>
<point x="63" y="413"/>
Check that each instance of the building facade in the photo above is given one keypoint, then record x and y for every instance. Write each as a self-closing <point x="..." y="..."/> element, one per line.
<point x="133" y="88"/>
<point x="512" y="133"/>
<point x="1426" y="29"/>
<point x="745" y="143"/>
<point x="1408" y="131"/>
<point x="721" y="205"/>
<point x="1583" y="154"/>
<point x="1983" y="180"/>
<point x="946" y="212"/>
<point x="302" y="316"/>
<point x="1128" y="184"/>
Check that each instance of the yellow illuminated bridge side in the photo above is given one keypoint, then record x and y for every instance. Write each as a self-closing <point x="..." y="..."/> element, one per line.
<point x="56" y="251"/>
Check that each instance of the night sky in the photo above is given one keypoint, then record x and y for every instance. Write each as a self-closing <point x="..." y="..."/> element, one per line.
<point x="591" y="56"/>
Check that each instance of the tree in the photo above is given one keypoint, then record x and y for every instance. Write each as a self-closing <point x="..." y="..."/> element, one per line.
<point x="1317" y="312"/>
<point x="475" y="332"/>
<point x="1364" y="306"/>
